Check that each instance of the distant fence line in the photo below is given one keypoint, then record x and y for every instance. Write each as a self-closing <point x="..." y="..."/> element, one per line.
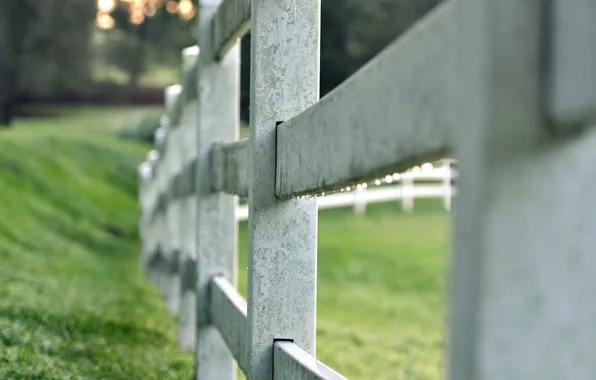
<point x="507" y="88"/>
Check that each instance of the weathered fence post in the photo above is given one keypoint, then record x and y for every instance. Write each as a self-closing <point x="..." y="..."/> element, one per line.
<point x="159" y="223"/>
<point x="216" y="225"/>
<point x="144" y="180"/>
<point x="447" y="189"/>
<point x="171" y="165"/>
<point x="524" y="267"/>
<point x="151" y="238"/>
<point x="188" y="262"/>
<point x="282" y="268"/>
<point x="407" y="191"/>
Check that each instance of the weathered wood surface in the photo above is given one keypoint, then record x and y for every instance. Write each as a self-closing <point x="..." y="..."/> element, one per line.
<point x="228" y="312"/>
<point x="282" y="268"/>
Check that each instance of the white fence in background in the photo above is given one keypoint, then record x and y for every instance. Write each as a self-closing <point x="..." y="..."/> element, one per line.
<point x="397" y="187"/>
<point x="507" y="86"/>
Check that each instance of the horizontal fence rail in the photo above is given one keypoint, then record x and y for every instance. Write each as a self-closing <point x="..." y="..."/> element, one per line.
<point x="230" y="167"/>
<point x="291" y="362"/>
<point x="231" y="22"/>
<point x="228" y="312"/>
<point x="369" y="125"/>
<point x="487" y="82"/>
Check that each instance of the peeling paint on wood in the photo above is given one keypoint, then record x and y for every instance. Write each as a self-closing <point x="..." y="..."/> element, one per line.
<point x="282" y="267"/>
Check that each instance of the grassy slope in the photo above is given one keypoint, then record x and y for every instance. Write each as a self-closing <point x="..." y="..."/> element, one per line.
<point x="73" y="303"/>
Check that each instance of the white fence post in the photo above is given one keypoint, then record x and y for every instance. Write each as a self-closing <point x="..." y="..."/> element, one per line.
<point x="151" y="238"/>
<point x="282" y="268"/>
<point x="160" y="212"/>
<point x="171" y="165"/>
<point x="172" y="214"/>
<point x="359" y="200"/>
<point x="447" y="191"/>
<point x="407" y="191"/>
<point x="216" y="225"/>
<point x="187" y="264"/>
<point x="524" y="268"/>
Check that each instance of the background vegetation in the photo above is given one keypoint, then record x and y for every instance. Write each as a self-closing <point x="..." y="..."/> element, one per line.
<point x="65" y="51"/>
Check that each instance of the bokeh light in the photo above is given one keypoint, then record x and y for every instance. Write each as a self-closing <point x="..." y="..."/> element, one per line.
<point x="106" y="6"/>
<point x="104" y="21"/>
<point x="140" y="10"/>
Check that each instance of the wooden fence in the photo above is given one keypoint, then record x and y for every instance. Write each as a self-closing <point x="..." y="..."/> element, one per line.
<point x="417" y="183"/>
<point x="506" y="87"/>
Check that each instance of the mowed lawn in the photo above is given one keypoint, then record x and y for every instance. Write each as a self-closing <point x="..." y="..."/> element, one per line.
<point x="74" y="302"/>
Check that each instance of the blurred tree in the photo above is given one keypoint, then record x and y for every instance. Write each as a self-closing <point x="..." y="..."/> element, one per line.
<point x="142" y="32"/>
<point x="373" y="24"/>
<point x="16" y="17"/>
<point x="44" y="46"/>
<point x="354" y="31"/>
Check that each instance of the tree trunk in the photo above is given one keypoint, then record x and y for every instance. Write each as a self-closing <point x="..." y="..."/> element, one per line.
<point x="8" y="95"/>
<point x="135" y="74"/>
<point x="17" y="16"/>
<point x="138" y="67"/>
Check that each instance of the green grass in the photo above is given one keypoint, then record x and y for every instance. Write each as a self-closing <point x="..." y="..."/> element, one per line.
<point x="74" y="304"/>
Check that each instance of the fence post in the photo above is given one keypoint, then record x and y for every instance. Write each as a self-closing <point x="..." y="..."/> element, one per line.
<point x="171" y="165"/>
<point x="407" y="191"/>
<point x="524" y="267"/>
<point x="282" y="268"/>
<point x="187" y="264"/>
<point x="216" y="225"/>
<point x="151" y="239"/>
<point x="359" y="200"/>
<point x="144" y="206"/>
<point x="161" y="205"/>
<point x="447" y="190"/>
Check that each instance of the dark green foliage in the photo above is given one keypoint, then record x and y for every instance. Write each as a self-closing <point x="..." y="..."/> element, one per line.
<point x="44" y="47"/>
<point x="144" y="130"/>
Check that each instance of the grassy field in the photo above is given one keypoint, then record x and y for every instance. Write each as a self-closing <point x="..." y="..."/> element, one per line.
<point x="74" y="304"/>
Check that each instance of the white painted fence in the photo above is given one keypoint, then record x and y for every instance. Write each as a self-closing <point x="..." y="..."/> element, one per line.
<point x="507" y="86"/>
